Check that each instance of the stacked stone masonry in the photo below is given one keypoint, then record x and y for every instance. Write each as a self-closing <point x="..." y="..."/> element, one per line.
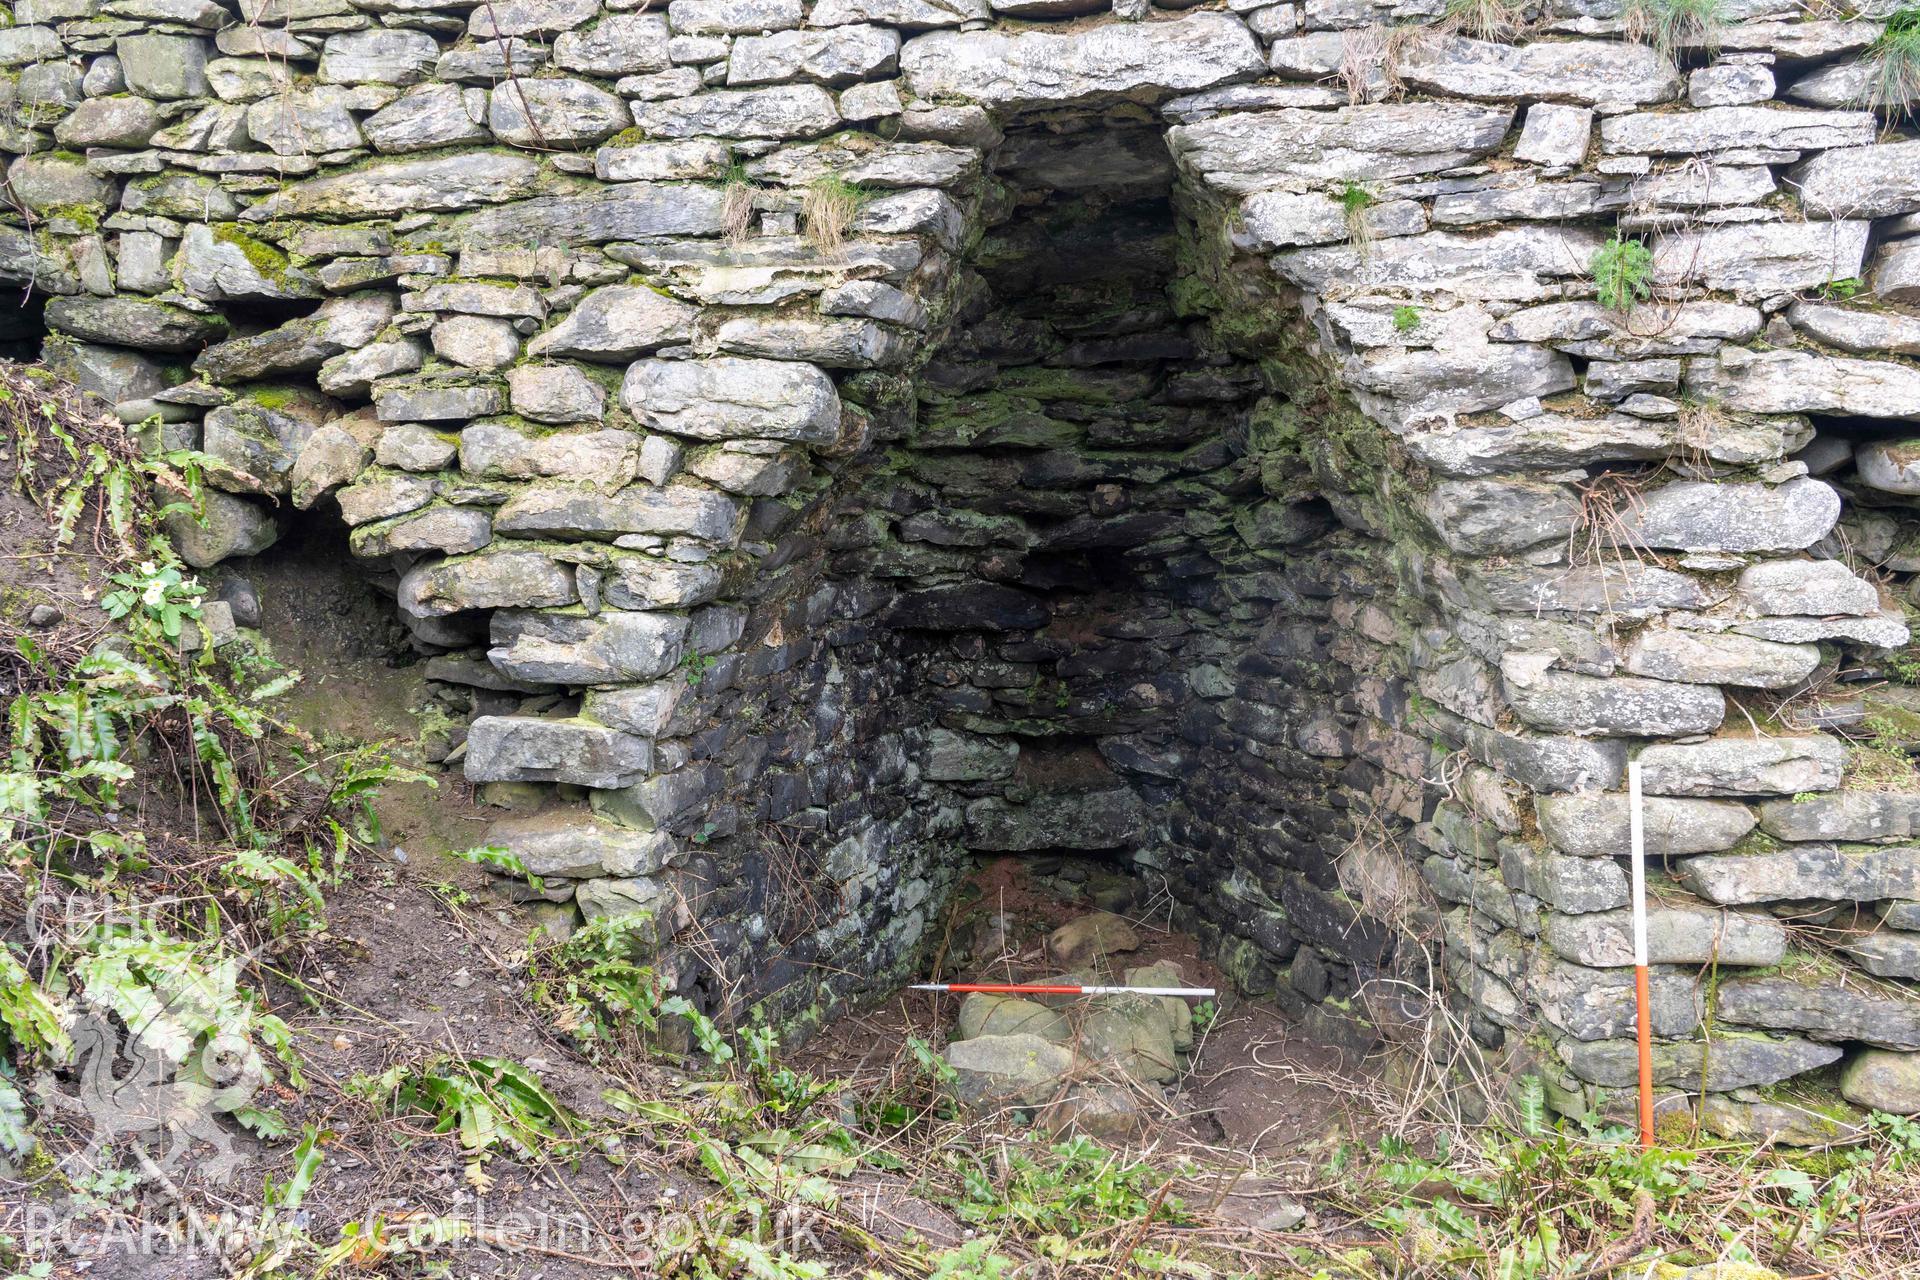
<point x="812" y="441"/>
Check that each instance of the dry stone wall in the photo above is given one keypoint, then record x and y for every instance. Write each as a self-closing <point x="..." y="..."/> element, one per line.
<point x="810" y="441"/>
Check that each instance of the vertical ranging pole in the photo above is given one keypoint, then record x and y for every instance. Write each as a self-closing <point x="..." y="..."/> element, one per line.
<point x="1637" y="839"/>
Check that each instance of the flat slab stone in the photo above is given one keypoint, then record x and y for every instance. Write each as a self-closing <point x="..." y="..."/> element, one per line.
<point x="1822" y="1009"/>
<point x="611" y="647"/>
<point x="530" y="749"/>
<point x="1594" y="824"/>
<point x="1138" y="62"/>
<point x="1257" y="150"/>
<point x="1675" y="935"/>
<point x="1728" y="128"/>
<point x="1843" y="815"/>
<point x="731" y="398"/>
<point x="1861" y="182"/>
<point x="1697" y="515"/>
<point x="1584" y="72"/>
<point x="1734" y="1062"/>
<point x="1565" y="702"/>
<point x="1823" y="871"/>
<point x="389" y="188"/>
<point x="1801" y="382"/>
<point x="1744" y="767"/>
<point x="572" y="844"/>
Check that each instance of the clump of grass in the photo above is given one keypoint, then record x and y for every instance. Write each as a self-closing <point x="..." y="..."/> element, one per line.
<point x="1355" y="200"/>
<point x="1486" y="19"/>
<point x="828" y="210"/>
<point x="1668" y="25"/>
<point x="736" y="207"/>
<point x="1370" y="60"/>
<point x="1622" y="273"/>
<point x="1894" y="59"/>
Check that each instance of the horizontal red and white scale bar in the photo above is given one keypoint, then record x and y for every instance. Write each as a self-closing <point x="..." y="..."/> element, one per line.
<point x="1051" y="989"/>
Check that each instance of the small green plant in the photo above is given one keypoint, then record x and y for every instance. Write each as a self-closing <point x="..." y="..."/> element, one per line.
<point x="1056" y="1190"/>
<point x="490" y="1103"/>
<point x="828" y="210"/>
<point x="1204" y="1014"/>
<point x="1842" y="290"/>
<point x="696" y="666"/>
<point x="1894" y="61"/>
<point x="594" y="986"/>
<point x="1405" y="319"/>
<point x="1622" y="273"/>
<point x="161" y="592"/>
<point x="1669" y="25"/>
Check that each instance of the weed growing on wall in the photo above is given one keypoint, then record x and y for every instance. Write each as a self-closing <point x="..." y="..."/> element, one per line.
<point x="828" y="210"/>
<point x="1622" y="272"/>
<point x="1670" y="25"/>
<point x="1894" y="60"/>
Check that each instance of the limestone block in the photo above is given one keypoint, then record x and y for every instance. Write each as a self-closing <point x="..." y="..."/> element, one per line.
<point x="390" y="188"/>
<point x="622" y="211"/>
<point x="1759" y="259"/>
<point x="573" y="845"/>
<point x="1518" y="264"/>
<point x="1569" y="884"/>
<point x="1797" y="382"/>
<point x="1887" y="954"/>
<point x="787" y="111"/>
<point x="1694" y="515"/>
<point x="427" y="117"/>
<point x="529" y="17"/>
<point x="1704" y="657"/>
<point x="1822" y="1009"/>
<point x="258" y="442"/>
<point x="162" y="66"/>
<point x="907" y="14"/>
<point x="1730" y="84"/>
<point x="643" y="709"/>
<point x="1496" y="516"/>
<point x="1250" y="152"/>
<point x="134" y="322"/>
<point x="1876" y="181"/>
<point x="1563" y="702"/>
<point x="1857" y="330"/>
<point x="1583" y="72"/>
<point x="1555" y="134"/>
<point x="452" y="530"/>
<point x="605" y="460"/>
<point x="548" y="113"/>
<point x="331" y="457"/>
<point x="1733" y="1062"/>
<point x="1138" y="62"/>
<point x="837" y="56"/>
<point x="1807" y="587"/>
<point x="530" y="749"/>
<point x="1843" y="815"/>
<point x="378" y="55"/>
<point x="1009" y="1070"/>
<point x="109" y="122"/>
<point x="1896" y="272"/>
<point x="53" y="181"/>
<point x="727" y="398"/>
<point x="570" y="511"/>
<point x="617" y="323"/>
<point x="1690" y="935"/>
<point x="620" y="44"/>
<point x="653" y="582"/>
<point x="957" y="757"/>
<point x="491" y="580"/>
<point x="662" y="161"/>
<point x="1728" y="128"/>
<point x="381" y="495"/>
<point x="485" y="343"/>
<point x="227" y="527"/>
<point x="1745" y="766"/>
<point x="556" y="394"/>
<point x="1594" y="824"/>
<point x="1883" y="1081"/>
<point x="1823" y="871"/>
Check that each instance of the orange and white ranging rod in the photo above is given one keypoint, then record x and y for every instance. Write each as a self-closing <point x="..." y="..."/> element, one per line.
<point x="1637" y="841"/>
<point x="1055" y="989"/>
